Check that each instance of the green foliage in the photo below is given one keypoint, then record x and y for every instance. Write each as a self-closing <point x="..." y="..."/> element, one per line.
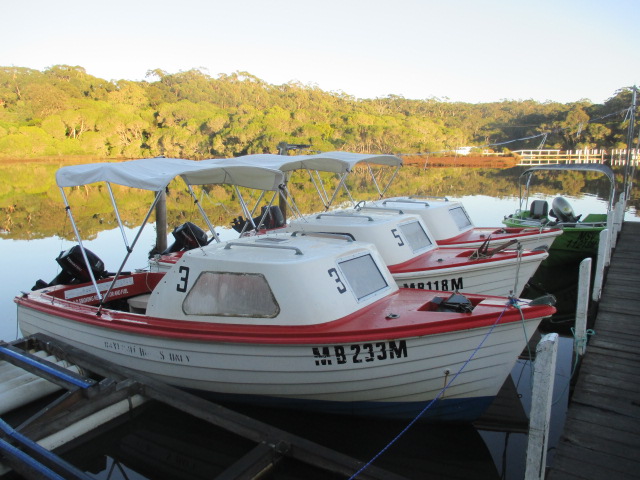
<point x="65" y="111"/>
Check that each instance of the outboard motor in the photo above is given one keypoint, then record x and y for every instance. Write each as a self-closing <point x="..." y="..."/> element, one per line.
<point x="187" y="237"/>
<point x="273" y="219"/>
<point x="562" y="210"/>
<point x="74" y="268"/>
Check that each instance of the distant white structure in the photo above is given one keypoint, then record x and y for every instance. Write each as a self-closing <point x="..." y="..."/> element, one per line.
<point x="463" y="150"/>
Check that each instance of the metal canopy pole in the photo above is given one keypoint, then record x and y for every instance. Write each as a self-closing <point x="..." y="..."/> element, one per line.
<point x="393" y="176"/>
<point x="317" y="184"/>
<point x="289" y="200"/>
<point x="117" y="212"/>
<point x="203" y="213"/>
<point x="126" y="257"/>
<point x="245" y="206"/>
<point x="340" y="185"/>
<point x="245" y="209"/>
<point x="375" y="182"/>
<point x="82" y="250"/>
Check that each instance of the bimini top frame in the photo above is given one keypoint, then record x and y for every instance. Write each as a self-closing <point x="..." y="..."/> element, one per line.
<point x="525" y="178"/>
<point x="155" y="174"/>
<point x="338" y="162"/>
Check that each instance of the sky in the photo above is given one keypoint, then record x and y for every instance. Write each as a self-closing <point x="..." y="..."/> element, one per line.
<point x="456" y="50"/>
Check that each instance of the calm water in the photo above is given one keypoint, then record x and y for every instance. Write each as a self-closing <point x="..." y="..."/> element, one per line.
<point x="425" y="451"/>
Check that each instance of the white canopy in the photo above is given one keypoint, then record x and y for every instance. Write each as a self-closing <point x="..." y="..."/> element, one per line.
<point x="156" y="173"/>
<point x="581" y="167"/>
<point x="337" y="162"/>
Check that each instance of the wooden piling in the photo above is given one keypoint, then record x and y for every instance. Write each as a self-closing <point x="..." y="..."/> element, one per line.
<point x="542" y="397"/>
<point x="161" y="222"/>
<point x="601" y="263"/>
<point x="582" y="307"/>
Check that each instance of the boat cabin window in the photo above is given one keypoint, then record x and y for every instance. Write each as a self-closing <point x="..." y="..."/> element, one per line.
<point x="460" y="216"/>
<point x="416" y="236"/>
<point x="363" y="275"/>
<point x="231" y="295"/>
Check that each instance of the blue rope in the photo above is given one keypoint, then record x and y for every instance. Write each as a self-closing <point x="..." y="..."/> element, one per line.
<point x="512" y="302"/>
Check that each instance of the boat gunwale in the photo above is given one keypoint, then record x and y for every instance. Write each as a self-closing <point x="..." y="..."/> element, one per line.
<point x="344" y="330"/>
<point x="475" y="235"/>
<point x="451" y="260"/>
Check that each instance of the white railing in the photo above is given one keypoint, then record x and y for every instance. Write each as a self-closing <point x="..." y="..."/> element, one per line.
<point x="547" y="157"/>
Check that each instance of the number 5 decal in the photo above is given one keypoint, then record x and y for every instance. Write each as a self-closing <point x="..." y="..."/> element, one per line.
<point x="395" y="233"/>
<point x="334" y="273"/>
<point x="184" y="279"/>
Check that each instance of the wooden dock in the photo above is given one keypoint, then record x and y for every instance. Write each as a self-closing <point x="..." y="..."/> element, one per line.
<point x="601" y="438"/>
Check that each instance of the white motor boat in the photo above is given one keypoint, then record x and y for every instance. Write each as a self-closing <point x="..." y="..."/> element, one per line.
<point x="452" y="226"/>
<point x="416" y="261"/>
<point x="406" y="244"/>
<point x="290" y="319"/>
<point x="447" y="221"/>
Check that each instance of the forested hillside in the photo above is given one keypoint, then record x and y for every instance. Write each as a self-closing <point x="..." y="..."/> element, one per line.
<point x="63" y="111"/>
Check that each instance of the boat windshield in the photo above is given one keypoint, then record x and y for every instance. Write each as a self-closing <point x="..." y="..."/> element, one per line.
<point x="363" y="276"/>
<point x="231" y="295"/>
<point x="416" y="236"/>
<point x="460" y="216"/>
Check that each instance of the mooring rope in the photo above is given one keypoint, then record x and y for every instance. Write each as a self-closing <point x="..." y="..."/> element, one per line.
<point x="518" y="263"/>
<point x="512" y="302"/>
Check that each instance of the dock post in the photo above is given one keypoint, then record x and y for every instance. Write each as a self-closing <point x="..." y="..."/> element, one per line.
<point x="612" y="233"/>
<point x="582" y="307"/>
<point x="601" y="264"/>
<point x="618" y="213"/>
<point x="542" y="398"/>
<point x="161" y="222"/>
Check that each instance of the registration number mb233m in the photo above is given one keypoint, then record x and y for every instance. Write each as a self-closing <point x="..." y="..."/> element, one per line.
<point x="360" y="353"/>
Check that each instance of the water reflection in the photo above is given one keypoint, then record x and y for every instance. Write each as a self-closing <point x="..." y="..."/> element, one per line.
<point x="31" y="206"/>
<point x="163" y="444"/>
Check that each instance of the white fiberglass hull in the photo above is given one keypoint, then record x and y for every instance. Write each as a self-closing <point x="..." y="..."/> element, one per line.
<point x="501" y="278"/>
<point x="394" y="378"/>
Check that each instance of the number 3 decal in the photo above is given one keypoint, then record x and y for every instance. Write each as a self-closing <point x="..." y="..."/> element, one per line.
<point x="334" y="273"/>
<point x="184" y="279"/>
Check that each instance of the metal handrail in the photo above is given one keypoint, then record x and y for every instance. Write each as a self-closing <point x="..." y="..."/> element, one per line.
<point x="340" y="236"/>
<point x="406" y="200"/>
<point x="434" y="197"/>
<point x="382" y="209"/>
<point x="333" y="214"/>
<point x="279" y="247"/>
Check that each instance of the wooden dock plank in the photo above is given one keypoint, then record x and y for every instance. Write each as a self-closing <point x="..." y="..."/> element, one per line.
<point x="579" y="460"/>
<point x="601" y="437"/>
<point x="598" y="417"/>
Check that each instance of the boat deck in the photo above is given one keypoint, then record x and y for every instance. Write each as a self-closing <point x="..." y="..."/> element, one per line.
<point x="601" y="438"/>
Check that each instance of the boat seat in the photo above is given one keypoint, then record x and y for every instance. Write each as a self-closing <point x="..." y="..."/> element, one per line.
<point x="138" y="304"/>
<point x="539" y="209"/>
